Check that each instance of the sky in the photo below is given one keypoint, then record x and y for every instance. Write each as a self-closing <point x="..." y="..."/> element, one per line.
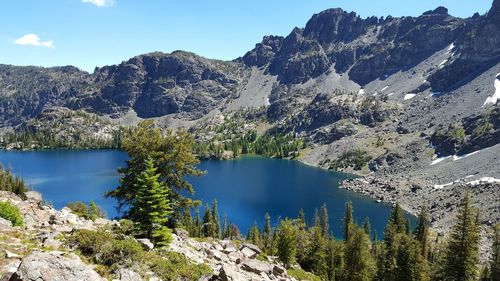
<point x="90" y="33"/>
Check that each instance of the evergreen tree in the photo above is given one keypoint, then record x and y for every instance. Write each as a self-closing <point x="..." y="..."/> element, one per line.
<point x="396" y="227"/>
<point x="267" y="234"/>
<point x="323" y="218"/>
<point x="421" y="232"/>
<point x="367" y="227"/>
<point x="208" y="228"/>
<point x="359" y="264"/>
<point x="216" y="219"/>
<point x="287" y="242"/>
<point x="197" y="223"/>
<point x="93" y="210"/>
<point x="302" y="220"/>
<point x="225" y="227"/>
<point x="495" y="256"/>
<point x="334" y="260"/>
<point x="187" y="222"/>
<point x="348" y="220"/>
<point x="410" y="265"/>
<point x="151" y="209"/>
<point x="462" y="254"/>
<point x="172" y="155"/>
<point x="316" y="219"/>
<point x="255" y="233"/>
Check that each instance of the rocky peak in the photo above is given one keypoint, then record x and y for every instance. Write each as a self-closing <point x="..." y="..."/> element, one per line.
<point x="438" y="11"/>
<point x="334" y="25"/>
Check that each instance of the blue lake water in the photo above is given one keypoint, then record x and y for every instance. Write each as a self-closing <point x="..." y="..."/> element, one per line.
<point x="245" y="189"/>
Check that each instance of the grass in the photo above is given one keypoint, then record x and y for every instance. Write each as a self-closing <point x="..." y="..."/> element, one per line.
<point x="300" y="274"/>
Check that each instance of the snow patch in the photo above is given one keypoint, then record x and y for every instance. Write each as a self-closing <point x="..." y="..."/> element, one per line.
<point x="454" y="157"/>
<point x="451" y="47"/>
<point x="361" y="91"/>
<point x="384" y="88"/>
<point x="409" y="96"/>
<point x="435" y="161"/>
<point x="267" y="102"/>
<point x="484" y="180"/>
<point x="392" y="93"/>
<point x="441" y="186"/>
<point x="441" y="65"/>
<point x="493" y="99"/>
<point x="433" y="94"/>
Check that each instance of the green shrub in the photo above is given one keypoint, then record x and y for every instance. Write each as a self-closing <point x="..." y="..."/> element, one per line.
<point x="300" y="274"/>
<point x="90" y="212"/>
<point x="124" y="252"/>
<point x="11" y="213"/>
<point x="355" y="158"/>
<point x="174" y="266"/>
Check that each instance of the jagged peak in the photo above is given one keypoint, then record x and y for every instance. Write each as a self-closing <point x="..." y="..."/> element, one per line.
<point x="438" y="11"/>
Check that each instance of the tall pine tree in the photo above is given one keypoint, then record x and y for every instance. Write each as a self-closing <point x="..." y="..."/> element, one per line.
<point x="151" y="209"/>
<point x="348" y="220"/>
<point x="495" y="256"/>
<point x="462" y="254"/>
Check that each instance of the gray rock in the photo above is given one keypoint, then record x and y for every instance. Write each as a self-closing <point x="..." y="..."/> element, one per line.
<point x="249" y="253"/>
<point x="146" y="244"/>
<point x="33" y="196"/>
<point x="9" y="270"/>
<point x="125" y="274"/>
<point x="53" y="266"/>
<point x="253" y="247"/>
<point x="279" y="270"/>
<point x="181" y="232"/>
<point x="236" y="257"/>
<point x="257" y="266"/>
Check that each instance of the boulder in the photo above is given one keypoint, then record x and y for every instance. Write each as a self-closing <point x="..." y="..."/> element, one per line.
<point x="146" y="244"/>
<point x="11" y="255"/>
<point x="53" y="266"/>
<point x="5" y="224"/>
<point x="255" y="248"/>
<point x="229" y="273"/>
<point x="33" y="196"/>
<point x="279" y="270"/>
<point x="124" y="274"/>
<point x="9" y="270"/>
<point x="257" y="266"/>
<point x="236" y="257"/>
<point x="181" y="232"/>
<point x="249" y="253"/>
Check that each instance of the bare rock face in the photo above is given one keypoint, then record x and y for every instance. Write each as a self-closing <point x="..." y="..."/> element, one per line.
<point x="54" y="266"/>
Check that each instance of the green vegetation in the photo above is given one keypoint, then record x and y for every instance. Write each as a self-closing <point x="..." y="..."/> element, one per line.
<point x="26" y="139"/>
<point x="112" y="251"/>
<point x="355" y="159"/>
<point x="11" y="213"/>
<point x="91" y="211"/>
<point x="269" y="145"/>
<point x="300" y="274"/>
<point x="9" y="182"/>
<point x="151" y="209"/>
<point x="173" y="159"/>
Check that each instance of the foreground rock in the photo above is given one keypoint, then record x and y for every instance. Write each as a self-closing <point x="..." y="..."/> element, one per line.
<point x="54" y="266"/>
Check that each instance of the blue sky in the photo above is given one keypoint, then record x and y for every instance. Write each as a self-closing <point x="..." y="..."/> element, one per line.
<point x="89" y="33"/>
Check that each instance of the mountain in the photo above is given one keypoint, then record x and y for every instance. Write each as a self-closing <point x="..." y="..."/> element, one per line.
<point x="417" y="95"/>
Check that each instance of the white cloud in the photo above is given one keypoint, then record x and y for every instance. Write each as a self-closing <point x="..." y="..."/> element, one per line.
<point x="100" y="3"/>
<point x="33" y="40"/>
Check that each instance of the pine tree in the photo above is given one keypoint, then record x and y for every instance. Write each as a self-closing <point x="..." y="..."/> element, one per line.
<point x="316" y="219"/>
<point x="462" y="253"/>
<point x="187" y="222"/>
<point x="348" y="220"/>
<point x="197" y="223"/>
<point x="410" y="265"/>
<point x="323" y="218"/>
<point x="225" y="227"/>
<point x="302" y="220"/>
<point x="287" y="242"/>
<point x="495" y="256"/>
<point x="216" y="219"/>
<point x="395" y="229"/>
<point x="94" y="212"/>
<point x="208" y="228"/>
<point x="267" y="234"/>
<point x="421" y="232"/>
<point x="255" y="234"/>
<point x="151" y="209"/>
<point x="367" y="227"/>
<point x="359" y="264"/>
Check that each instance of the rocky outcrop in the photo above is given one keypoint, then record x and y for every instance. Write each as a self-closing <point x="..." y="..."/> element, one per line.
<point x="54" y="266"/>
